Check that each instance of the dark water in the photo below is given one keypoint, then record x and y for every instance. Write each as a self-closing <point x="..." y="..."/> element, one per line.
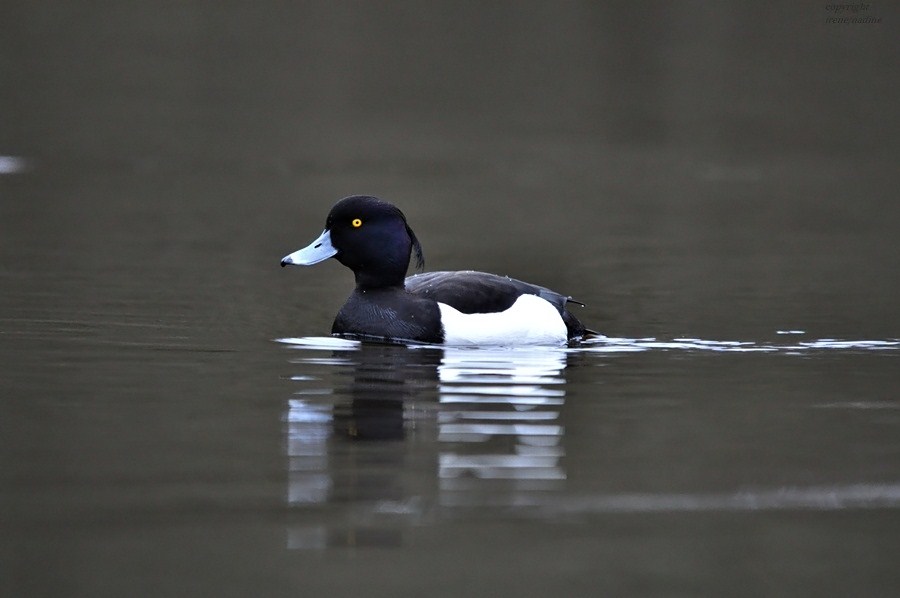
<point x="718" y="183"/>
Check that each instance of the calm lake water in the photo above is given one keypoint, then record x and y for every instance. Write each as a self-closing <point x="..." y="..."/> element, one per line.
<point x="718" y="184"/>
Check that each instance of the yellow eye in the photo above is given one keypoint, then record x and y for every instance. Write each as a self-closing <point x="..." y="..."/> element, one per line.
<point x="356" y="222"/>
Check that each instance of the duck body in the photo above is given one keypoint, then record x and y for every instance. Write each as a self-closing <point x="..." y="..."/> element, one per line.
<point x="373" y="239"/>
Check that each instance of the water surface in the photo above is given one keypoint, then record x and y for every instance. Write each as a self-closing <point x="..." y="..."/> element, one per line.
<point x="717" y="184"/>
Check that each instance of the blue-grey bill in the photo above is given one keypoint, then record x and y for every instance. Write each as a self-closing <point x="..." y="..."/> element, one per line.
<point x="317" y="251"/>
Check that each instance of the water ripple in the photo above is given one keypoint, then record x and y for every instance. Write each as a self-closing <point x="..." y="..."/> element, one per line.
<point x="607" y="344"/>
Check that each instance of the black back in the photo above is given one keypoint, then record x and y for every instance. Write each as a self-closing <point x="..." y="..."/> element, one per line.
<point x="478" y="292"/>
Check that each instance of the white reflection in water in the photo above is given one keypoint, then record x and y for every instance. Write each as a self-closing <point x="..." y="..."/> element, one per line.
<point x="320" y="342"/>
<point x="308" y="430"/>
<point x="498" y="446"/>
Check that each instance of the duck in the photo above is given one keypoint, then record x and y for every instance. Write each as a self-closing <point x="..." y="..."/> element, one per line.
<point x="372" y="238"/>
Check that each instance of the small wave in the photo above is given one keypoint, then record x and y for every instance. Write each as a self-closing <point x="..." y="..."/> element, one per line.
<point x="607" y="344"/>
<point x="325" y="343"/>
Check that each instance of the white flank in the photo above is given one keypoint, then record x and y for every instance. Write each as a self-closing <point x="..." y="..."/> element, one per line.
<point x="529" y="321"/>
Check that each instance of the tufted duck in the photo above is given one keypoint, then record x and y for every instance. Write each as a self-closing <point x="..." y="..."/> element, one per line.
<point x="372" y="238"/>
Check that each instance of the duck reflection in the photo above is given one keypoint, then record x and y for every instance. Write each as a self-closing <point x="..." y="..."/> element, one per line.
<point x="384" y="382"/>
<point x="499" y="433"/>
<point x="385" y="436"/>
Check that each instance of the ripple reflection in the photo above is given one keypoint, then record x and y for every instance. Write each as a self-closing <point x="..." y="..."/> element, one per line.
<point x="381" y="439"/>
<point x="394" y="434"/>
<point x="501" y="443"/>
